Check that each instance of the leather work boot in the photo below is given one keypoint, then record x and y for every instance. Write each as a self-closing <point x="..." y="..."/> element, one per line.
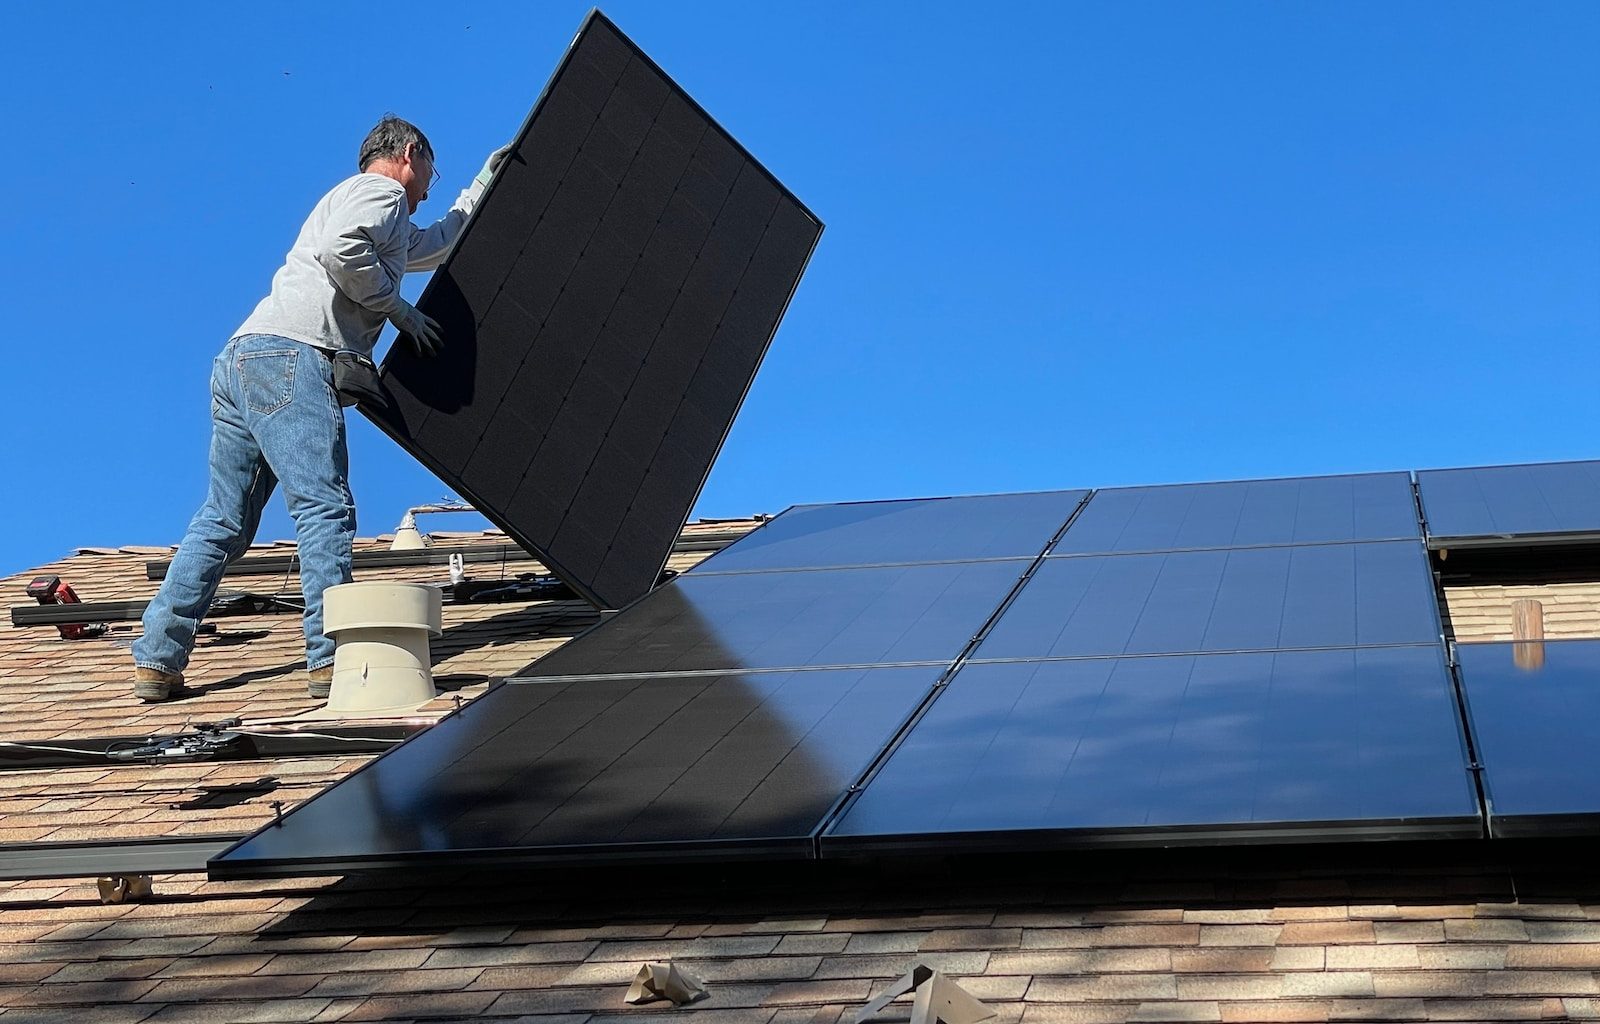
<point x="319" y="681"/>
<point x="153" y="685"/>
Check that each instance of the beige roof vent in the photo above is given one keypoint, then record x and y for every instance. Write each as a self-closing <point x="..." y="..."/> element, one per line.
<point x="381" y="664"/>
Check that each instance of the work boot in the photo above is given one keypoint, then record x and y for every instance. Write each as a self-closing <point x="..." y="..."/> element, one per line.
<point x="319" y="681"/>
<point x="152" y="685"/>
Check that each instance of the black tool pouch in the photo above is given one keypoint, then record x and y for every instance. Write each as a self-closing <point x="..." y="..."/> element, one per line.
<point x="355" y="379"/>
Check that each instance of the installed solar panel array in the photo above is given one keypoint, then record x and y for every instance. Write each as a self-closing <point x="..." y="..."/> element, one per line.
<point x="603" y="314"/>
<point x="934" y="674"/>
<point x="1227" y="660"/>
<point x="727" y="713"/>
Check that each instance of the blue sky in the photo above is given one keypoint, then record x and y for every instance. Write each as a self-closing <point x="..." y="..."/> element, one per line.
<point x="1068" y="244"/>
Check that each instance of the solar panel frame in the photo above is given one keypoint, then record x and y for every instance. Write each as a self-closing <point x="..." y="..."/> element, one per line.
<point x="1475" y="506"/>
<point x="613" y="562"/>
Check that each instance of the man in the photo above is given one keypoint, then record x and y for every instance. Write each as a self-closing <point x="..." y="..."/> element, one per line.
<point x="274" y="413"/>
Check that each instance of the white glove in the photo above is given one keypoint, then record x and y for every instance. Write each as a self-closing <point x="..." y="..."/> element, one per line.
<point x="492" y="164"/>
<point x="421" y="330"/>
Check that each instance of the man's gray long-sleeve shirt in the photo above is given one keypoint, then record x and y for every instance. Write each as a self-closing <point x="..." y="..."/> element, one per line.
<point x="341" y="279"/>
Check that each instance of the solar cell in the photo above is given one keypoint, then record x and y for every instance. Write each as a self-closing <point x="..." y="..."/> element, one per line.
<point x="1302" y="744"/>
<point x="863" y="616"/>
<point x="1536" y="717"/>
<point x="1495" y="502"/>
<point x="1221" y="600"/>
<point x="604" y="314"/>
<point x="739" y="763"/>
<point x="1309" y="510"/>
<point x="889" y="532"/>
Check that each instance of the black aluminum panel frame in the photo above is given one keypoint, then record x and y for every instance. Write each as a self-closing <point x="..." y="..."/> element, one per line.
<point x="218" y="867"/>
<point x="1543" y="826"/>
<point x="1476" y="542"/>
<point x="102" y="858"/>
<point x="384" y="423"/>
<point x="1042" y="840"/>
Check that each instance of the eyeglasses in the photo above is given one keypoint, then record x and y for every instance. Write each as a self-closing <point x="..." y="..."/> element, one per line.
<point x="433" y="172"/>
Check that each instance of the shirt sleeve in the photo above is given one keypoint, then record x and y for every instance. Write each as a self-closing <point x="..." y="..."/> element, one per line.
<point x="356" y="232"/>
<point x="430" y="245"/>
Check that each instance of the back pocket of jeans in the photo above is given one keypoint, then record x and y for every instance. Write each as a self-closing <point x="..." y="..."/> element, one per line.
<point x="267" y="379"/>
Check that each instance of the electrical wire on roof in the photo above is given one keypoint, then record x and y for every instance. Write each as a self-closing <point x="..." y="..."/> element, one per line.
<point x="45" y="749"/>
<point x="310" y="735"/>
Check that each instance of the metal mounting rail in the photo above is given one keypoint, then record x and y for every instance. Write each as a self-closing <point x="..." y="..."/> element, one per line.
<point x="123" y="611"/>
<point x="262" y="565"/>
<point x="229" y="740"/>
<point x="125" y="857"/>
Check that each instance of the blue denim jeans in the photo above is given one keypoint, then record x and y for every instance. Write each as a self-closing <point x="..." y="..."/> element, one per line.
<point x="274" y="417"/>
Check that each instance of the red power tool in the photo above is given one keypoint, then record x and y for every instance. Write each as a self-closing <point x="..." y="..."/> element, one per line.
<point x="51" y="590"/>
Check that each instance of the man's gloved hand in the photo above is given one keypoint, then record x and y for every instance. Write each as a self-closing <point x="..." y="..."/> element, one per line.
<point x="421" y="330"/>
<point x="492" y="164"/>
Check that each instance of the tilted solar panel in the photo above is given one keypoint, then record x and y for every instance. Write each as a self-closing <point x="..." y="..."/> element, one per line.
<point x="604" y="314"/>
<point x="1496" y="503"/>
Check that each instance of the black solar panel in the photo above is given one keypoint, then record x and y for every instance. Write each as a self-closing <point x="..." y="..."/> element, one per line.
<point x="1536" y="716"/>
<point x="917" y="613"/>
<point x="961" y="683"/>
<point x="621" y="769"/>
<point x="604" y="314"/>
<point x="1304" y="744"/>
<point x="897" y="532"/>
<point x="1497" y="502"/>
<point x="1310" y="510"/>
<point x="1247" y="599"/>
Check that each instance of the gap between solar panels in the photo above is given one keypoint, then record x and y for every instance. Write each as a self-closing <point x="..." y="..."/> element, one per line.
<point x="604" y="314"/>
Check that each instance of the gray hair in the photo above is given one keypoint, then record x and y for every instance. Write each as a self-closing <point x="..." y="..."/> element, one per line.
<point x="390" y="139"/>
